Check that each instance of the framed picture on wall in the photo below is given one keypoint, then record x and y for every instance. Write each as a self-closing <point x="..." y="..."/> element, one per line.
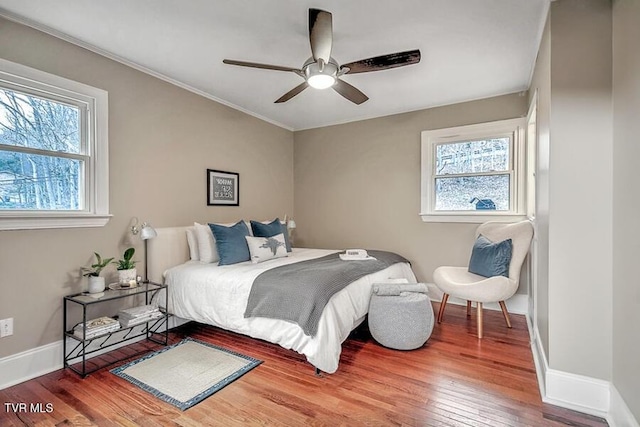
<point x="223" y="188"/>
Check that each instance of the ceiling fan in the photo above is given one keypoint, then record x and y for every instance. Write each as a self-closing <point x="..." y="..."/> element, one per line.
<point x="321" y="71"/>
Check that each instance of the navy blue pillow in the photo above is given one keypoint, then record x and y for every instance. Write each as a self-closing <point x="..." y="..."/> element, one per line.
<point x="274" y="228"/>
<point x="230" y="242"/>
<point x="490" y="259"/>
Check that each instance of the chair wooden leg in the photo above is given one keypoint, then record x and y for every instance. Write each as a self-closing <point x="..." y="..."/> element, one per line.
<point x="468" y="308"/>
<point x="479" y="313"/>
<point x="445" y="297"/>
<point x="505" y="313"/>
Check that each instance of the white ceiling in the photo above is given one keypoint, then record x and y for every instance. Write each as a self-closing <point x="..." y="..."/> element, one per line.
<point x="471" y="49"/>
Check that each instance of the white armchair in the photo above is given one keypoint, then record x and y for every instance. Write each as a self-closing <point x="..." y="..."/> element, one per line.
<point x="460" y="283"/>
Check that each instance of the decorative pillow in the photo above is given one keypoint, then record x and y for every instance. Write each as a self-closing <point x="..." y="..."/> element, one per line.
<point x="230" y="242"/>
<point x="192" y="240"/>
<point x="490" y="259"/>
<point x="264" y="248"/>
<point x="206" y="244"/>
<point x="271" y="229"/>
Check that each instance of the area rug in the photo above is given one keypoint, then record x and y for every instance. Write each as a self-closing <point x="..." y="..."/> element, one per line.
<point x="186" y="373"/>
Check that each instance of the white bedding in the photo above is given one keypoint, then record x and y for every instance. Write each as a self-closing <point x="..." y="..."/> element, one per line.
<point x="217" y="295"/>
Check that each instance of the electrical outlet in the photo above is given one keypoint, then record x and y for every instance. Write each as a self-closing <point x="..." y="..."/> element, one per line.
<point x="6" y="327"/>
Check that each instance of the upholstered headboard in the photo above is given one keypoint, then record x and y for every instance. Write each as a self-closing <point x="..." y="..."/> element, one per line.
<point x="168" y="249"/>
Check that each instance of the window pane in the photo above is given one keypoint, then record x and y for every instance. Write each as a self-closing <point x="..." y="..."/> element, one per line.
<point x="29" y="121"/>
<point x="489" y="155"/>
<point x="34" y="182"/>
<point x="473" y="193"/>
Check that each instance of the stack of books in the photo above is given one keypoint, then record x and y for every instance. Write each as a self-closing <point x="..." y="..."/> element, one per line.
<point x="95" y="327"/>
<point x="132" y="316"/>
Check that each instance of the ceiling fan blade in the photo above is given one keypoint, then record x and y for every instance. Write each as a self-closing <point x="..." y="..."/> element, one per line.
<point x="293" y="92"/>
<point x="384" y="62"/>
<point x="320" y="34"/>
<point x="264" y="66"/>
<point x="350" y="92"/>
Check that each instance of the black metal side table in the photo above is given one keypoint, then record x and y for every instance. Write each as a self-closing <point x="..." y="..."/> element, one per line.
<point x="152" y="329"/>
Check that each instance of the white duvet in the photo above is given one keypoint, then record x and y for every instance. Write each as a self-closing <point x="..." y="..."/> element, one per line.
<point x="217" y="295"/>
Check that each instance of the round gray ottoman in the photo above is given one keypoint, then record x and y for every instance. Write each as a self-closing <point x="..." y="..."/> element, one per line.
<point x="400" y="319"/>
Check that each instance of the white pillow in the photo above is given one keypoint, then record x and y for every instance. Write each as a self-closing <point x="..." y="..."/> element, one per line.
<point x="192" y="240"/>
<point x="248" y="224"/>
<point x="206" y="243"/>
<point x="264" y="248"/>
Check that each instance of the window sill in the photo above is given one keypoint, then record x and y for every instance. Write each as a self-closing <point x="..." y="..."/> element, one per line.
<point x="35" y="222"/>
<point x="472" y="218"/>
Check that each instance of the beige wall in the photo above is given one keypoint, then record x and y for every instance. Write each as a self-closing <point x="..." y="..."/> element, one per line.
<point x="572" y="78"/>
<point x="358" y="184"/>
<point x="162" y="139"/>
<point x="541" y="88"/>
<point x="626" y="201"/>
<point x="587" y="63"/>
<point x="580" y="187"/>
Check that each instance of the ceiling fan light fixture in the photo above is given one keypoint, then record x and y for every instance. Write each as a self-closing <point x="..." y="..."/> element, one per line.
<point x="321" y="81"/>
<point x="321" y="71"/>
<point x="321" y="78"/>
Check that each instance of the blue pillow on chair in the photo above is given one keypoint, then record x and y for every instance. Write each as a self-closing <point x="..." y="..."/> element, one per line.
<point x="231" y="243"/>
<point x="490" y="259"/>
<point x="274" y="228"/>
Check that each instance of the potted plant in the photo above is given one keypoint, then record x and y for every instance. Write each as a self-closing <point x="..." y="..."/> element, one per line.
<point x="126" y="268"/>
<point x="96" y="282"/>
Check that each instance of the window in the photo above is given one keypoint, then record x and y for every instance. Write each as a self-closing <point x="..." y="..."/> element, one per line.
<point x="53" y="151"/>
<point x="473" y="173"/>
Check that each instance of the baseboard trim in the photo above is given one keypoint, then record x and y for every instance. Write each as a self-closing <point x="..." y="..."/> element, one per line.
<point x="517" y="304"/>
<point x="577" y="392"/>
<point x="29" y="364"/>
<point x="619" y="413"/>
<point x="567" y="390"/>
<point x="42" y="360"/>
<point x="539" y="357"/>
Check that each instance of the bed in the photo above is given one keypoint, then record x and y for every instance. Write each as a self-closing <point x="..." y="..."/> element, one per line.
<point x="218" y="296"/>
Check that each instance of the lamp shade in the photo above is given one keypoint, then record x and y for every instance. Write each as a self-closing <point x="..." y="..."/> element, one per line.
<point x="147" y="232"/>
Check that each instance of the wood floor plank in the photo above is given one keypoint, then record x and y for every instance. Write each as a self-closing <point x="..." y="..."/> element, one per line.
<point x="454" y="380"/>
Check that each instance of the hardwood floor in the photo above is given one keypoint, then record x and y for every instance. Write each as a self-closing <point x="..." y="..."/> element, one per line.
<point x="454" y="380"/>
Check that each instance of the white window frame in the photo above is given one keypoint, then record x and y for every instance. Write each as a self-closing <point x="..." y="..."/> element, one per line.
<point x="515" y="128"/>
<point x="94" y="124"/>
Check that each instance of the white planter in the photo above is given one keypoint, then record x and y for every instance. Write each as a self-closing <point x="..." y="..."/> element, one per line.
<point x="96" y="284"/>
<point x="126" y="276"/>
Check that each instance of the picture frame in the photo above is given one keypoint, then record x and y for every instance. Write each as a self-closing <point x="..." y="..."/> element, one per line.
<point x="223" y="188"/>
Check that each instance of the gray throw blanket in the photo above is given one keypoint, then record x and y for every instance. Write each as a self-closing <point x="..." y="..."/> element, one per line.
<point x="299" y="292"/>
<point x="399" y="289"/>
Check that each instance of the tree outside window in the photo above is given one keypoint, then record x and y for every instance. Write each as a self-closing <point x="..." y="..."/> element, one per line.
<point x="40" y="153"/>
